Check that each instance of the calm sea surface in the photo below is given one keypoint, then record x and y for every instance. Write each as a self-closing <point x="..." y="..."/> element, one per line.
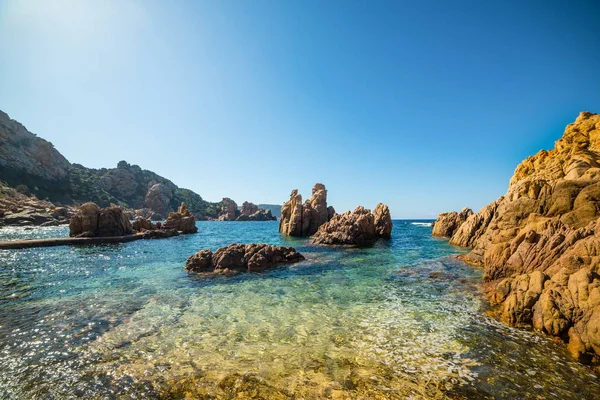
<point x="400" y="320"/>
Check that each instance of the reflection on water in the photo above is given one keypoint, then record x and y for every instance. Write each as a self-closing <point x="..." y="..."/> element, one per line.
<point x="399" y="320"/>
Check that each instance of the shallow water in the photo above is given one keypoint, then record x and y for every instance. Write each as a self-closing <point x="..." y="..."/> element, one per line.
<point x="400" y="320"/>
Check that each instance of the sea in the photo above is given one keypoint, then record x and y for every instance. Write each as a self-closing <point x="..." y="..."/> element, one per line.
<point x="403" y="319"/>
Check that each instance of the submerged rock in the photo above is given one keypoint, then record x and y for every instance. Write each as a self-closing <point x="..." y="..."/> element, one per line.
<point x="237" y="258"/>
<point x="91" y="221"/>
<point x="357" y="228"/>
<point x="299" y="219"/>
<point x="539" y="244"/>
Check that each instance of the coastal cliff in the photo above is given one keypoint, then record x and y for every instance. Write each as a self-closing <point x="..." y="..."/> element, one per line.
<point x="32" y="163"/>
<point x="539" y="244"/>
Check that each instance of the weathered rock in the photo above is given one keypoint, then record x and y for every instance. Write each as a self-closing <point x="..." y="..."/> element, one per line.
<point x="251" y="212"/>
<point x="383" y="221"/>
<point x="299" y="219"/>
<point x="158" y="199"/>
<point x="141" y="224"/>
<point x="238" y="257"/>
<point x="200" y="262"/>
<point x="229" y="210"/>
<point x="91" y="221"/>
<point x="85" y="222"/>
<point x="357" y="228"/>
<point x="18" y="209"/>
<point x="447" y="223"/>
<point x="182" y="220"/>
<point x="113" y="222"/>
<point x="540" y="243"/>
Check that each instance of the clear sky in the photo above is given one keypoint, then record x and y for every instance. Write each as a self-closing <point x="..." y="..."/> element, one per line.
<point x="425" y="106"/>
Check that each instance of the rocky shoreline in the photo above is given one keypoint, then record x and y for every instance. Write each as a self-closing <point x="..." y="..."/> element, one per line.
<point x="539" y="244"/>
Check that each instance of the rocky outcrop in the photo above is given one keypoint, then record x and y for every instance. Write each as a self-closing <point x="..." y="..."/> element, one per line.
<point x="447" y="223"/>
<point x="91" y="221"/>
<point x="229" y="210"/>
<point x="299" y="219"/>
<point x="182" y="220"/>
<point x="251" y="212"/>
<point x="357" y="228"/>
<point x="18" y="209"/>
<point x="26" y="159"/>
<point x="158" y="199"/>
<point x="382" y="221"/>
<point x="539" y="244"/>
<point x="237" y="258"/>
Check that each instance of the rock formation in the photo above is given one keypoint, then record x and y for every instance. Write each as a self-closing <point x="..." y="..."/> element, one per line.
<point x="539" y="244"/>
<point x="158" y="199"/>
<point x="447" y="223"/>
<point x="91" y="221"/>
<point x="18" y="209"/>
<point x="229" y="210"/>
<point x="237" y="258"/>
<point x="299" y="219"/>
<point x="357" y="228"/>
<point x="182" y="221"/>
<point x="251" y="212"/>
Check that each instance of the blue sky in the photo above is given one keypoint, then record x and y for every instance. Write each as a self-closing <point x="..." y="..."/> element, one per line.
<point x="425" y="106"/>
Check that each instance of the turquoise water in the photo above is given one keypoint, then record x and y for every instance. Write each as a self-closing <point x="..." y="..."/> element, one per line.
<point x="400" y="320"/>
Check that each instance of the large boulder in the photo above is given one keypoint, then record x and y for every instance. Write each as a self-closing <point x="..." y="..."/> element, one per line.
<point x="182" y="220"/>
<point x="357" y="228"/>
<point x="229" y="210"/>
<point x="85" y="222"/>
<point x="539" y="244"/>
<point x="158" y="199"/>
<point x="91" y="221"/>
<point x="237" y="258"/>
<point x="299" y="219"/>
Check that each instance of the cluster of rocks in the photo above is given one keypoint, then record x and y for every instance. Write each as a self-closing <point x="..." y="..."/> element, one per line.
<point x="249" y="212"/>
<point x="18" y="209"/>
<point x="539" y="244"/>
<point x="236" y="258"/>
<point x="357" y="228"/>
<point x="92" y="221"/>
<point x="299" y="219"/>
<point x="314" y="218"/>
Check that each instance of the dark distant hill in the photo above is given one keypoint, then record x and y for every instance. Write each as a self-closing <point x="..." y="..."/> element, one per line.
<point x="32" y="162"/>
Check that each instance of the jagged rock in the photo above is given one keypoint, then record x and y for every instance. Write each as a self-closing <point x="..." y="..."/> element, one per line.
<point x="158" y="199"/>
<point x="182" y="220"/>
<point x="383" y="221"/>
<point x="539" y="244"/>
<point x="447" y="223"/>
<point x="251" y="212"/>
<point x="18" y="209"/>
<point x="85" y="222"/>
<point x="91" y="221"/>
<point x="141" y="224"/>
<point x="113" y="222"/>
<point x="357" y="228"/>
<point x="229" y="210"/>
<point x="299" y="219"/>
<point x="238" y="257"/>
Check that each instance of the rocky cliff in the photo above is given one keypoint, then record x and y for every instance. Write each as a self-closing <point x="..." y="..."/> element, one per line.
<point x="34" y="164"/>
<point x="539" y="244"/>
